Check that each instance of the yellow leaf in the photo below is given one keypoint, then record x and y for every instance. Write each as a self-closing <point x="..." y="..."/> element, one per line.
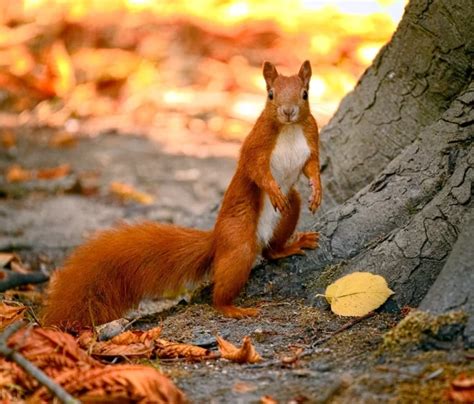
<point x="357" y="294"/>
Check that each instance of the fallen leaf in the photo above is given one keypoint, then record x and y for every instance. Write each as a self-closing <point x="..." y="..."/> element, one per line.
<point x="126" y="337"/>
<point x="290" y="360"/>
<point x="244" y="354"/>
<point x="119" y="383"/>
<point x="63" y="140"/>
<point x="268" y="400"/>
<point x="111" y="329"/>
<point x="8" y="139"/>
<point x="86" y="339"/>
<point x="31" y="296"/>
<point x="136" y="336"/>
<point x="171" y="350"/>
<point x="16" y="173"/>
<point x="12" y="261"/>
<point x="357" y="294"/>
<point x="87" y="183"/>
<point x="109" y="349"/>
<point x="59" y="356"/>
<point x="462" y="389"/>
<point x="127" y="192"/>
<point x="10" y="313"/>
<point x="6" y="258"/>
<point x="242" y="387"/>
<point x="54" y="172"/>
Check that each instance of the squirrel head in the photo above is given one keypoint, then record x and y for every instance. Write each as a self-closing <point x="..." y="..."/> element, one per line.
<point x="287" y="98"/>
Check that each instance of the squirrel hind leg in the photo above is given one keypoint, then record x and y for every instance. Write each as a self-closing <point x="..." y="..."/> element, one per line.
<point x="231" y="271"/>
<point x="279" y="246"/>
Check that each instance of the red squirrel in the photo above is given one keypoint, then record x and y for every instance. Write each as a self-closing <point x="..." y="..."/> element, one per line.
<point x="113" y="271"/>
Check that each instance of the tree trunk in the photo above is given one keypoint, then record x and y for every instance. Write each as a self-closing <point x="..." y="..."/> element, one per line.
<point x="399" y="165"/>
<point x="454" y="287"/>
<point x="411" y="83"/>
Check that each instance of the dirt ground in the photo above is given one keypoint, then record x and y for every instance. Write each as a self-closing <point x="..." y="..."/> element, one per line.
<point x="42" y="220"/>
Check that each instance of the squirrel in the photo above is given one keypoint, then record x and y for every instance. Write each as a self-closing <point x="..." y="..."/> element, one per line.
<point x="117" y="268"/>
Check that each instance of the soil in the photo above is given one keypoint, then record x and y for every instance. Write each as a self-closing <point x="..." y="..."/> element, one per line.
<point x="43" y="220"/>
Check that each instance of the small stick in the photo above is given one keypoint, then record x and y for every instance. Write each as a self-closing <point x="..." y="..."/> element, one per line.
<point x="30" y="368"/>
<point x="13" y="279"/>
<point x="345" y="327"/>
<point x="320" y="341"/>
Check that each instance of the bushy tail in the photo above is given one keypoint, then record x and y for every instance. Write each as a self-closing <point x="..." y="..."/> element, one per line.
<point x="113" y="271"/>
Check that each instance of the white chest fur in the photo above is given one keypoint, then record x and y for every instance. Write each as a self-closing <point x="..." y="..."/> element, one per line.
<point x="288" y="158"/>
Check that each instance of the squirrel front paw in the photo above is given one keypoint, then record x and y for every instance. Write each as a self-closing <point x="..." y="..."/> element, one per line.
<point x="316" y="194"/>
<point x="278" y="199"/>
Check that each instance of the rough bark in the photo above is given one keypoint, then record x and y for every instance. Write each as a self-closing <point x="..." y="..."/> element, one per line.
<point x="411" y="83"/>
<point x="454" y="287"/>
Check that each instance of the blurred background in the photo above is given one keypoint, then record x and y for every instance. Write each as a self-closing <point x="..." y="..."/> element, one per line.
<point x="184" y="73"/>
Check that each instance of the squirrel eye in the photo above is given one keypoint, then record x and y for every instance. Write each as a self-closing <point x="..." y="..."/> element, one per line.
<point x="270" y="94"/>
<point x="305" y="95"/>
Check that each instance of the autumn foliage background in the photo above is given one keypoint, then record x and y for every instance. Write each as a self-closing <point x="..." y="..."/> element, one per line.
<point x="187" y="74"/>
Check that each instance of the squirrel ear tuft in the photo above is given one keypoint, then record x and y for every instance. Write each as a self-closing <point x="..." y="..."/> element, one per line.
<point x="270" y="73"/>
<point x="305" y="73"/>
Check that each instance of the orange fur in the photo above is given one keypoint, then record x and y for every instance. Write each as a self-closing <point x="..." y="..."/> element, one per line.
<point x="112" y="272"/>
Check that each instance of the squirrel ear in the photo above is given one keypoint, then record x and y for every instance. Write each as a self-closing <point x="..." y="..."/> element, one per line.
<point x="305" y="73"/>
<point x="269" y="73"/>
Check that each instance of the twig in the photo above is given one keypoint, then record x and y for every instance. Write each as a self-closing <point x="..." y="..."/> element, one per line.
<point x="30" y="368"/>
<point x="33" y="314"/>
<point x="312" y="349"/>
<point x="345" y="327"/>
<point x="13" y="279"/>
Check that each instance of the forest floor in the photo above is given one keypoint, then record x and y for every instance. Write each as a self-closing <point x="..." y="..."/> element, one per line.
<point x="42" y="219"/>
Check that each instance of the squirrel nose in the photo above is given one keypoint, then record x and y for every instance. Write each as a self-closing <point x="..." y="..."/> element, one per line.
<point x="289" y="112"/>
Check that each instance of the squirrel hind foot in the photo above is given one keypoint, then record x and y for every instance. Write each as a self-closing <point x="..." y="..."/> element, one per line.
<point x="238" y="312"/>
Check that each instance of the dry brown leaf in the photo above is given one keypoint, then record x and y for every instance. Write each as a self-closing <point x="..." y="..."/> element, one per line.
<point x="242" y="387"/>
<point x="31" y="295"/>
<point x="136" y="344"/>
<point x="60" y="357"/>
<point x="12" y="261"/>
<point x="8" y="139"/>
<point x="10" y="313"/>
<point x="292" y="359"/>
<point x="124" y="383"/>
<point x="127" y="192"/>
<point x="6" y="258"/>
<point x="126" y="337"/>
<point x="87" y="183"/>
<point x="136" y="336"/>
<point x="107" y="331"/>
<point x="51" y="345"/>
<point x="170" y="350"/>
<point x="16" y="173"/>
<point x="63" y="140"/>
<point x="244" y="354"/>
<point x="462" y="389"/>
<point x="268" y="400"/>
<point x="86" y="339"/>
<point x="109" y="349"/>
<point x="54" y="172"/>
